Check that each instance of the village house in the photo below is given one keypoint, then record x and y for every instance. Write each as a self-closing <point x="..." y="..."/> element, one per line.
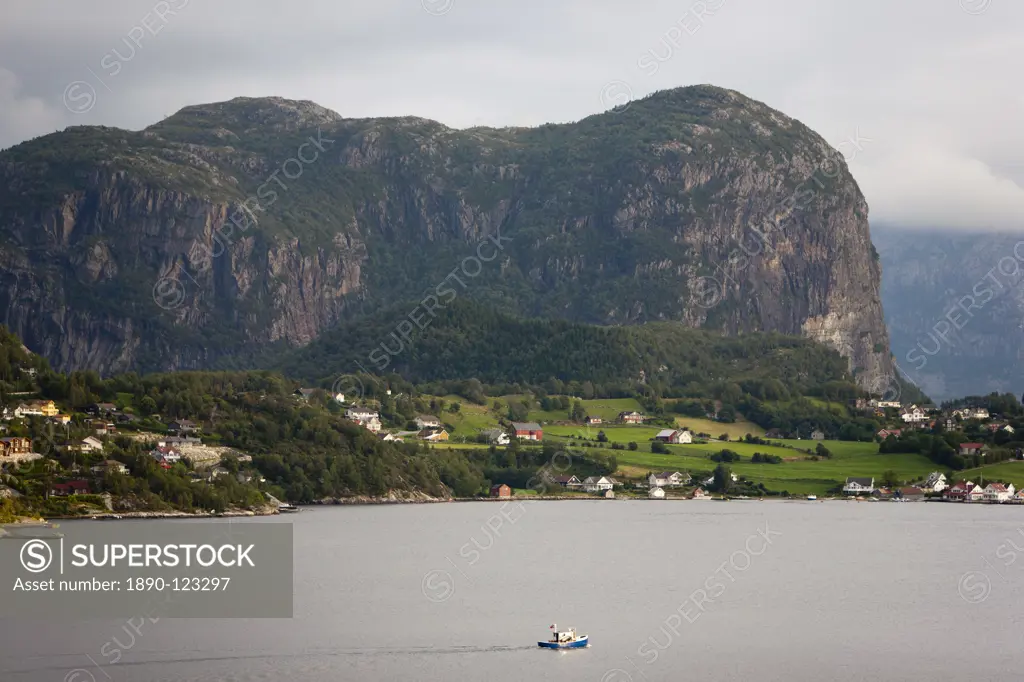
<point x="674" y="436"/>
<point x="365" y="417"/>
<point x="26" y="410"/>
<point x="501" y="490"/>
<point x="102" y="427"/>
<point x="910" y="494"/>
<point x="427" y="422"/>
<point x="69" y="488"/>
<point x="913" y="415"/>
<point x="110" y="465"/>
<point x="432" y="435"/>
<point x="305" y="393"/>
<point x="699" y="494"/>
<point x="496" y="436"/>
<point x="62" y="419"/>
<point x="102" y="409"/>
<point x="935" y="483"/>
<point x="775" y="433"/>
<point x="817" y="434"/>
<point x="656" y="494"/>
<point x="596" y="484"/>
<point x="388" y="437"/>
<point x="183" y="426"/>
<point x="894" y="404"/>
<point x="972" y="448"/>
<point x="958" y="492"/>
<point x="667" y="479"/>
<point x="165" y="455"/>
<point x="528" y="431"/>
<point x="631" y="418"/>
<point x="592" y="421"/>
<point x="1019" y="497"/>
<point x="885" y="433"/>
<point x="976" y="494"/>
<point x="997" y="492"/>
<point x="568" y="482"/>
<point x="12" y="446"/>
<point x="883" y="494"/>
<point x="216" y="472"/>
<point x="859" y="486"/>
<point x="950" y="424"/>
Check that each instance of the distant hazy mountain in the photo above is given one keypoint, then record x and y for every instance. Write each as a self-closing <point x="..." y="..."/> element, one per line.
<point x="955" y="308"/>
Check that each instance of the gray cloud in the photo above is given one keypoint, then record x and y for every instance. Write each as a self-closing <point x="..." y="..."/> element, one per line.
<point x="931" y="83"/>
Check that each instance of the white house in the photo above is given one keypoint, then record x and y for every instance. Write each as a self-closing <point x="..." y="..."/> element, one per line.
<point x="92" y="443"/>
<point x="997" y="492"/>
<point x="388" y="437"/>
<point x="631" y="418"/>
<point x="858" y="486"/>
<point x="674" y="436"/>
<point x="936" y="482"/>
<point x="367" y="418"/>
<point x="710" y="480"/>
<point x="597" y="484"/>
<point x="496" y="436"/>
<point x="424" y="421"/>
<point x="166" y="455"/>
<point x="667" y="479"/>
<point x="27" y="410"/>
<point x="110" y="465"/>
<point x="656" y="494"/>
<point x="358" y="413"/>
<point x="913" y="415"/>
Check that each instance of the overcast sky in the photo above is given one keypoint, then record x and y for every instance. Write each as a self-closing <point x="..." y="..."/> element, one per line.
<point x="932" y="88"/>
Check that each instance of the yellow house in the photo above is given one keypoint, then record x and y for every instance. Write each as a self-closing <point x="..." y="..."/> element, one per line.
<point x="433" y="435"/>
<point x="47" y="407"/>
<point x="62" y="418"/>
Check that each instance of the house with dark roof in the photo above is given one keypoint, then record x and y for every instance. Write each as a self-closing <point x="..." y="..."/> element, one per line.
<point x="859" y="486"/>
<point x="570" y="481"/>
<point x="181" y="426"/>
<point x="70" y="488"/>
<point x="426" y="421"/>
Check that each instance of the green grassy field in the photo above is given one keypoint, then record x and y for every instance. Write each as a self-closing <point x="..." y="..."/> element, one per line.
<point x="737" y="429"/>
<point x="1011" y="472"/>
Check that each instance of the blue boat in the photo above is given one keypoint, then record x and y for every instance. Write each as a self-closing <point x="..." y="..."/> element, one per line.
<point x="566" y="639"/>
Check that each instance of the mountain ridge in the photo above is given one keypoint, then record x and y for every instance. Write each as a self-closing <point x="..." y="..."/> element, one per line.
<point x="628" y="216"/>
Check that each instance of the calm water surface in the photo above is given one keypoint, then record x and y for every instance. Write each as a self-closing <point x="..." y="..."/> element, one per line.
<point x="666" y="590"/>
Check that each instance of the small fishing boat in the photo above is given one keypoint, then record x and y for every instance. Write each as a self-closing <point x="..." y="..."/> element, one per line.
<point x="812" y="498"/>
<point x="287" y="508"/>
<point x="565" y="639"/>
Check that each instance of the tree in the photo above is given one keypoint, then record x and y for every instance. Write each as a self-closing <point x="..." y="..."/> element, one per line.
<point x="601" y="438"/>
<point x="722" y="479"/>
<point x="659" y="448"/>
<point x="632" y="445"/>
<point x="889" y="479"/>
<point x="822" y="451"/>
<point x="724" y="436"/>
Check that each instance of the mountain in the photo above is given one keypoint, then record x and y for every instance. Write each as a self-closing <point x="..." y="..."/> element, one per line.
<point x="232" y="230"/>
<point x="954" y="307"/>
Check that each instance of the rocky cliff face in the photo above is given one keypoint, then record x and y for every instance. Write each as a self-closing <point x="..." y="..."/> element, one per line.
<point x="229" y="228"/>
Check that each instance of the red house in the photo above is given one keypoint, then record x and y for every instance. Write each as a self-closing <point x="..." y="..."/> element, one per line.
<point x="70" y="488"/>
<point x="528" y="431"/>
<point x="971" y="448"/>
<point x="501" y="491"/>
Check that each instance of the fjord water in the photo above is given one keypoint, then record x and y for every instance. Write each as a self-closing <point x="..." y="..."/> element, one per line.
<point x="463" y="591"/>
